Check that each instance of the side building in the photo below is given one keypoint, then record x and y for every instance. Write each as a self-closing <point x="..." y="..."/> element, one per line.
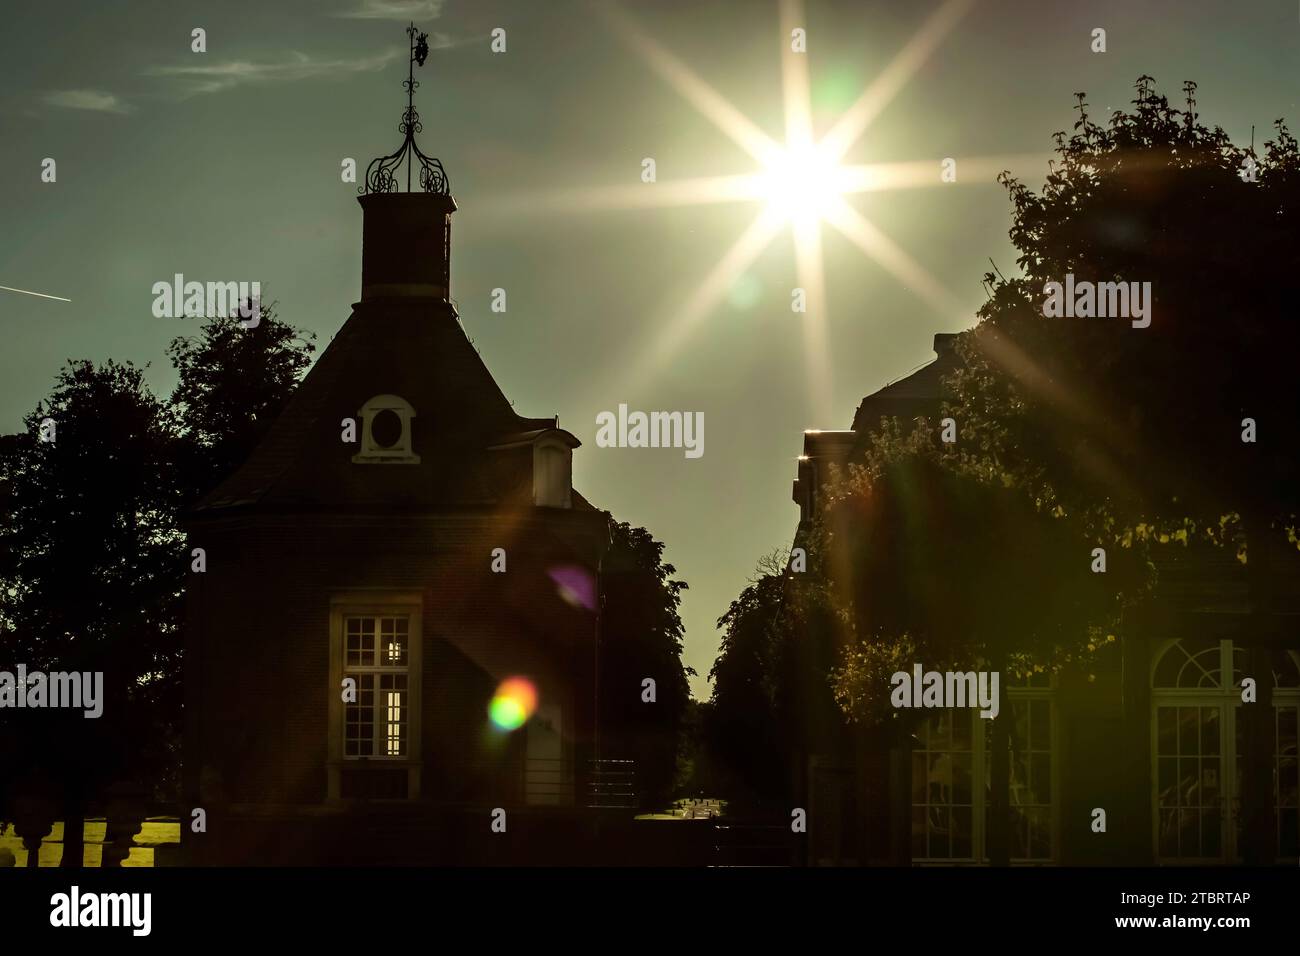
<point x="1159" y="738"/>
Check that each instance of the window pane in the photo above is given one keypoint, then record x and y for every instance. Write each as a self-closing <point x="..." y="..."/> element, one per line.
<point x="1168" y="782"/>
<point x="1167" y="738"/>
<point x="1040" y="727"/>
<point x="940" y="778"/>
<point x="1188" y="772"/>
<point x="939" y="831"/>
<point x="918" y="833"/>
<point x="961" y="778"/>
<point x="961" y="832"/>
<point x="1020" y="739"/>
<point x="1211" y="821"/>
<point x="359" y="727"/>
<point x="1189" y="730"/>
<point x="394" y="714"/>
<point x="1019" y="834"/>
<point x="395" y="641"/>
<point x="1209" y="782"/>
<point x="1189" y="833"/>
<point x="1209" y="730"/>
<point x="360" y="641"/>
<point x="1168" y="833"/>
<point x="1040" y="775"/>
<point x="1286" y="729"/>
<point x="918" y="777"/>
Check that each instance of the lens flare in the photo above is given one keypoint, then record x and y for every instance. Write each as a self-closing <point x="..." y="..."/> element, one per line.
<point x="513" y="703"/>
<point x="575" y="585"/>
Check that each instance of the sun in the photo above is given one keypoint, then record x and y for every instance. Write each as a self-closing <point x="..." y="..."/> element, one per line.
<point x="802" y="183"/>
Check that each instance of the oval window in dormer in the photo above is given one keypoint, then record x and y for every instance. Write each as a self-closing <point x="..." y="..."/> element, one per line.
<point x="386" y="432"/>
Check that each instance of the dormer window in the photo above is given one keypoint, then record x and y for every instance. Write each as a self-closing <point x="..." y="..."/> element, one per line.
<point x="386" y="432"/>
<point x="552" y="461"/>
<point x="552" y="473"/>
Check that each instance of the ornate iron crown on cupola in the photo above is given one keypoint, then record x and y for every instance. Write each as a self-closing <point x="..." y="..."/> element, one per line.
<point x="382" y="175"/>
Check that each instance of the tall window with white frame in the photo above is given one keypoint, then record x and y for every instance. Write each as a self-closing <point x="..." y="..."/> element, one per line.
<point x="944" y="768"/>
<point x="1197" y="745"/>
<point x="377" y="657"/>
<point x="950" y="811"/>
<point x="1032" y="770"/>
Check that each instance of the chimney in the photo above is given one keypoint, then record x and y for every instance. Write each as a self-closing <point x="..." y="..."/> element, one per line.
<point x="943" y="342"/>
<point x="406" y="245"/>
<point x="406" y="236"/>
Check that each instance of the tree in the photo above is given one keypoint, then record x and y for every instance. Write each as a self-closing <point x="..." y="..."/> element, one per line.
<point x="92" y="566"/>
<point x="745" y="738"/>
<point x="641" y="637"/>
<point x="771" y="704"/>
<point x="234" y="382"/>
<point x="92" y="579"/>
<point x="1146" y="424"/>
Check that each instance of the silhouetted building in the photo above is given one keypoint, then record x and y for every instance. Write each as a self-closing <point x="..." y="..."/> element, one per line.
<point x="403" y="533"/>
<point x="1159" y="739"/>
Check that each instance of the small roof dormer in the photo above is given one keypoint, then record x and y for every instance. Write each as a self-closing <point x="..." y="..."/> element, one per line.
<point x="552" y="462"/>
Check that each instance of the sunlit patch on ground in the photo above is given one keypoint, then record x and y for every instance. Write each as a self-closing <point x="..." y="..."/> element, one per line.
<point x="689" y="809"/>
<point x="156" y="830"/>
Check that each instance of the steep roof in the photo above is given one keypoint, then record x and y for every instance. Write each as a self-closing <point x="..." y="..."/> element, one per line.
<point x="414" y="348"/>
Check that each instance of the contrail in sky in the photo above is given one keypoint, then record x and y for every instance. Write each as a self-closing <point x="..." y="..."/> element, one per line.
<point x="41" y="294"/>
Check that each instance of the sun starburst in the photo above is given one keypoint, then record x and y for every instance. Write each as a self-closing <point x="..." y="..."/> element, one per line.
<point x="800" y="183"/>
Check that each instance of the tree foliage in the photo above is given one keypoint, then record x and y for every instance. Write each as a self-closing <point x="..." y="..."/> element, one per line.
<point x="92" y="576"/>
<point x="947" y="569"/>
<point x="1142" y="427"/>
<point x="92" y="560"/>
<point x="233" y="384"/>
<point x="642" y="637"/>
<point x="771" y="704"/>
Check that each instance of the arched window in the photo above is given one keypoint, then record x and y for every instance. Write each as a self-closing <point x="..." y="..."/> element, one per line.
<point x="386" y="432"/>
<point x="1196" y="744"/>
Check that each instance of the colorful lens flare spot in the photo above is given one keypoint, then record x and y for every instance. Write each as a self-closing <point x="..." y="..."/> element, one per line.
<point x="513" y="703"/>
<point x="575" y="585"/>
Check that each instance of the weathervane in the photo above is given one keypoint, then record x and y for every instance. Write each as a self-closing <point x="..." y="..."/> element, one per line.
<point x="380" y="174"/>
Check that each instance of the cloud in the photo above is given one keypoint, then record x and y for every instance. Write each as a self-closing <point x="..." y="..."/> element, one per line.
<point x="96" y="101"/>
<point x="394" y="10"/>
<point x="218" y="77"/>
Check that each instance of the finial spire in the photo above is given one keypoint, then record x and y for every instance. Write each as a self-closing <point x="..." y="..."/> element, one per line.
<point x="381" y="174"/>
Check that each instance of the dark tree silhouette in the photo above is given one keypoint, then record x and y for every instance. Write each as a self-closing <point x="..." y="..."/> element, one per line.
<point x="233" y="384"/>
<point x="91" y="581"/>
<point x="641" y="637"/>
<point x="744" y="736"/>
<point x="92" y="563"/>
<point x="1145" y="424"/>
<point x="772" y="705"/>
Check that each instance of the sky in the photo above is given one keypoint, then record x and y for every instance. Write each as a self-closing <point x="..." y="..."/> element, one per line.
<point x="225" y="165"/>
